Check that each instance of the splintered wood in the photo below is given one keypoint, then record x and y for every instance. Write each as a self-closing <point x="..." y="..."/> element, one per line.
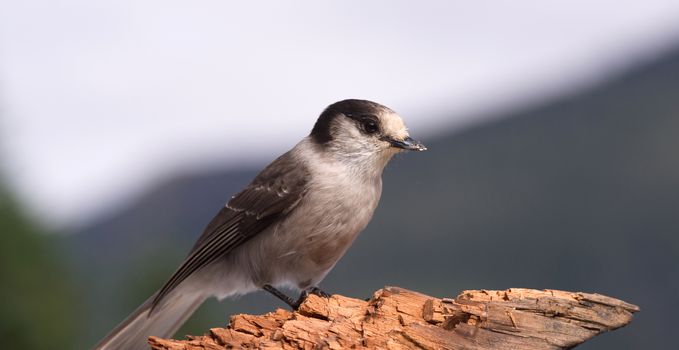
<point x="396" y="318"/>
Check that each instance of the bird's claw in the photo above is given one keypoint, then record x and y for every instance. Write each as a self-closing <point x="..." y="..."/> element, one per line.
<point x="294" y="304"/>
<point x="318" y="291"/>
<point x="305" y="294"/>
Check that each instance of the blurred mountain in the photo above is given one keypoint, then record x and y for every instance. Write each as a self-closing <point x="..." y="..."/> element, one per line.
<point x="579" y="193"/>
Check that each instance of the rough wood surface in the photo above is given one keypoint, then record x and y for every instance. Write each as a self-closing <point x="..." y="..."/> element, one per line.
<point x="396" y="318"/>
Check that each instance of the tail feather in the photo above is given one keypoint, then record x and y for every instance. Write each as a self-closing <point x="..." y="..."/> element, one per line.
<point x="164" y="321"/>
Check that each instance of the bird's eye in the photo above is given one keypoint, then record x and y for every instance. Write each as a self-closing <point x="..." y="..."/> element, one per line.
<point x="370" y="126"/>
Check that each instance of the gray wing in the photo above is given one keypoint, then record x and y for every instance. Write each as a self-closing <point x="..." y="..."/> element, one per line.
<point x="270" y="196"/>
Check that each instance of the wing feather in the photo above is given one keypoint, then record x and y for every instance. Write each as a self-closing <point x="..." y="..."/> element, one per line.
<point x="272" y="194"/>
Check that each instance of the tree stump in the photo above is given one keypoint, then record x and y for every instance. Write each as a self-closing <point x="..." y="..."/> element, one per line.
<point x="396" y="318"/>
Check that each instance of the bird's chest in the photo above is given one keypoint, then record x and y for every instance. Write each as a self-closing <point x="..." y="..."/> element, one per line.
<point x="345" y="204"/>
<point x="337" y="209"/>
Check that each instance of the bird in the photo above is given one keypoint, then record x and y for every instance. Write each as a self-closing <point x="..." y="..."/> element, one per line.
<point x="288" y="227"/>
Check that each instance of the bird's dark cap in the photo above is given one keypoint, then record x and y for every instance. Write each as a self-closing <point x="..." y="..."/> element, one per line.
<point x="321" y="132"/>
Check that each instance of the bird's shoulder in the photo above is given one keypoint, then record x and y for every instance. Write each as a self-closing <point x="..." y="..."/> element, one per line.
<point x="275" y="189"/>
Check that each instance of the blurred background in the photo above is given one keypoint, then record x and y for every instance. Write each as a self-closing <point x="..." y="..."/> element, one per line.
<point x="553" y="130"/>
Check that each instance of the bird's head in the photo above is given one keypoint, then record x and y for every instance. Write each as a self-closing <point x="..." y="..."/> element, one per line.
<point x="362" y="130"/>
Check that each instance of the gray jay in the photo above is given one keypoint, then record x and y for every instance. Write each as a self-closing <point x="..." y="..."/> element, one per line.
<point x="288" y="227"/>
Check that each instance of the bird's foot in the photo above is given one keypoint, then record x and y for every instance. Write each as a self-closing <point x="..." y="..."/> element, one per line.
<point x="305" y="294"/>
<point x="318" y="291"/>
<point x="294" y="304"/>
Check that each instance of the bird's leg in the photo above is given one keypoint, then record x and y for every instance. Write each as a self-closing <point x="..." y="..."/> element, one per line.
<point x="305" y="293"/>
<point x="317" y="291"/>
<point x="294" y="304"/>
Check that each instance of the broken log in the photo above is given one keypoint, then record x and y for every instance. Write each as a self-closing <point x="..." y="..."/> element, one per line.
<point x="396" y="318"/>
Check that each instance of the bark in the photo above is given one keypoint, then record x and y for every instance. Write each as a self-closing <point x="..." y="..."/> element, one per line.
<point x="396" y="318"/>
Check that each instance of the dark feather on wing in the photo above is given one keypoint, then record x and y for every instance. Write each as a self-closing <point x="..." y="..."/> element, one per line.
<point x="270" y="196"/>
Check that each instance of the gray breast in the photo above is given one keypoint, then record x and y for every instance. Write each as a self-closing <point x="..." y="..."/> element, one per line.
<point x="310" y="241"/>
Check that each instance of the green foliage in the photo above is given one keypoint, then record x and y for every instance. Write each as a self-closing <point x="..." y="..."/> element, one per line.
<point x="36" y="303"/>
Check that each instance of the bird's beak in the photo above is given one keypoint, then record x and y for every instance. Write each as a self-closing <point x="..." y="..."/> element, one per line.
<point x="408" y="144"/>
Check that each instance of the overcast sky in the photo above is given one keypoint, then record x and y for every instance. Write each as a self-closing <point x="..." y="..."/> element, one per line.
<point x="98" y="99"/>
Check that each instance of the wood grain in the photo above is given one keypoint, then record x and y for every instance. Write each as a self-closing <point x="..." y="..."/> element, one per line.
<point x="396" y="318"/>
